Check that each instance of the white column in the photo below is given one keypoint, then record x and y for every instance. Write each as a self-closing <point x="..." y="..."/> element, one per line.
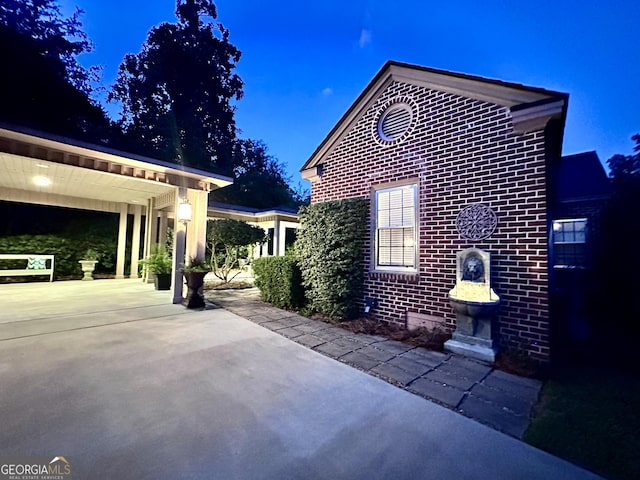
<point x="135" y="241"/>
<point x="276" y="237"/>
<point x="282" y="227"/>
<point x="150" y="235"/>
<point x="179" y="243"/>
<point x="122" y="240"/>
<point x="153" y="230"/>
<point x="162" y="228"/>
<point x="197" y="227"/>
<point x="283" y="234"/>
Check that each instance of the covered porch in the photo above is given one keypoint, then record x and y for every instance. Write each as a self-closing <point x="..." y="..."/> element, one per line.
<point x="279" y="223"/>
<point x="43" y="169"/>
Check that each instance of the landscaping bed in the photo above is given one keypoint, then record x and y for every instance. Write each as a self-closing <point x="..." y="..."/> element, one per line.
<point x="421" y="337"/>
<point x="220" y="285"/>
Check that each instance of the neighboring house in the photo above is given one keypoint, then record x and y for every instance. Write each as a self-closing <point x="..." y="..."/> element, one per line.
<point x="422" y="145"/>
<point x="582" y="190"/>
<point x="279" y="223"/>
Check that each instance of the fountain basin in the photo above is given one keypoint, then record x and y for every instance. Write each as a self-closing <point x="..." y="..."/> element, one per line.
<point x="475" y="305"/>
<point x="474" y="318"/>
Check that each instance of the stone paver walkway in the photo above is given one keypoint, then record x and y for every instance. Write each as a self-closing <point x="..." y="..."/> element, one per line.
<point x="500" y="400"/>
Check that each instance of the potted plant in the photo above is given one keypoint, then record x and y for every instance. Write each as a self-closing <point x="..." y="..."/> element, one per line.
<point x="159" y="264"/>
<point x="194" y="273"/>
<point x="88" y="263"/>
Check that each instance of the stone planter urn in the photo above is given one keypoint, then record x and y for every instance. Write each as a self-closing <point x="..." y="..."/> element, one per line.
<point x="88" y="266"/>
<point x="195" y="282"/>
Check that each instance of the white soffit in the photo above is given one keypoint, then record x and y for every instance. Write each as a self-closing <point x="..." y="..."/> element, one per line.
<point x="92" y="155"/>
<point x="40" y="170"/>
<point x="22" y="173"/>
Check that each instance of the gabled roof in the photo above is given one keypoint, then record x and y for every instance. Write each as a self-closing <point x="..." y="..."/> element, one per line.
<point x="529" y="105"/>
<point x="582" y="176"/>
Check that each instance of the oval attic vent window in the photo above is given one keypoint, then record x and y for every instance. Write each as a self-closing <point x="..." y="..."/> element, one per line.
<point x="394" y="122"/>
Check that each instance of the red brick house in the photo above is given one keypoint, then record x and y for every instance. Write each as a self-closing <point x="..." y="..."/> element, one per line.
<point x="422" y="145"/>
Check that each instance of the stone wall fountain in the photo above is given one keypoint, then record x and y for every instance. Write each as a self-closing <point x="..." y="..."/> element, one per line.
<point x="475" y="304"/>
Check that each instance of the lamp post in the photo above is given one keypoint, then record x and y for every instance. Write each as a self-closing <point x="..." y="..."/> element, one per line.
<point x="194" y="278"/>
<point x="184" y="212"/>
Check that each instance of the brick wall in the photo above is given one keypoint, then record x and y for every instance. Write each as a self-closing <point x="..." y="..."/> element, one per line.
<point x="461" y="151"/>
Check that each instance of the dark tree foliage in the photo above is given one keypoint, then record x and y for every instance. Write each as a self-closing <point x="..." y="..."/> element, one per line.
<point x="46" y="88"/>
<point x="233" y="233"/>
<point x="625" y="168"/>
<point x="176" y="93"/>
<point x="259" y="179"/>
<point x="616" y="278"/>
<point x="54" y="37"/>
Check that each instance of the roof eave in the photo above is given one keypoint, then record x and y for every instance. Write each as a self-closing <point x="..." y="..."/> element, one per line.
<point x="536" y="117"/>
<point x="73" y="146"/>
<point x="251" y="215"/>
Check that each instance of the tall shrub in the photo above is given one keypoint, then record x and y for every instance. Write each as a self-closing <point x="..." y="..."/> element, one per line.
<point x="279" y="281"/>
<point x="330" y="251"/>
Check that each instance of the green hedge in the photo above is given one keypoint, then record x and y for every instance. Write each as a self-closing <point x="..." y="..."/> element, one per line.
<point x="330" y="251"/>
<point x="67" y="251"/>
<point x="279" y="281"/>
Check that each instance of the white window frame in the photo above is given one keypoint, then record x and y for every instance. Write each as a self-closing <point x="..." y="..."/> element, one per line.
<point x="403" y="225"/>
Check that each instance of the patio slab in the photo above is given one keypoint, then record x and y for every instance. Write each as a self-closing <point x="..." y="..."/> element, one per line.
<point x="208" y="394"/>
<point x="441" y="377"/>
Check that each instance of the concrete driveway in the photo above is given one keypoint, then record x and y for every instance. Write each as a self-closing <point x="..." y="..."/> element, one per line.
<point x="125" y="385"/>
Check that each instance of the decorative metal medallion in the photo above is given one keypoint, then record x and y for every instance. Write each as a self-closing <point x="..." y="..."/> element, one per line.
<point x="476" y="222"/>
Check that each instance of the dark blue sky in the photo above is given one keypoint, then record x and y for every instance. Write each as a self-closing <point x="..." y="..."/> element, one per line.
<point x="304" y="65"/>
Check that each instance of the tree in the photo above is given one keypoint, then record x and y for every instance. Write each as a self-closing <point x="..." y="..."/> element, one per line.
<point x="230" y="236"/>
<point x="616" y="280"/>
<point x="55" y="37"/>
<point x="47" y="88"/>
<point x="259" y="179"/>
<point x="176" y="93"/>
<point x="625" y="168"/>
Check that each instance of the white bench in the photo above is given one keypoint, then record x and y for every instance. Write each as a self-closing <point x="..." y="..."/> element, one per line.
<point x="29" y="269"/>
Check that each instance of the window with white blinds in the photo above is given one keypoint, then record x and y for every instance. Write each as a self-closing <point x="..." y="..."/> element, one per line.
<point x="396" y="227"/>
